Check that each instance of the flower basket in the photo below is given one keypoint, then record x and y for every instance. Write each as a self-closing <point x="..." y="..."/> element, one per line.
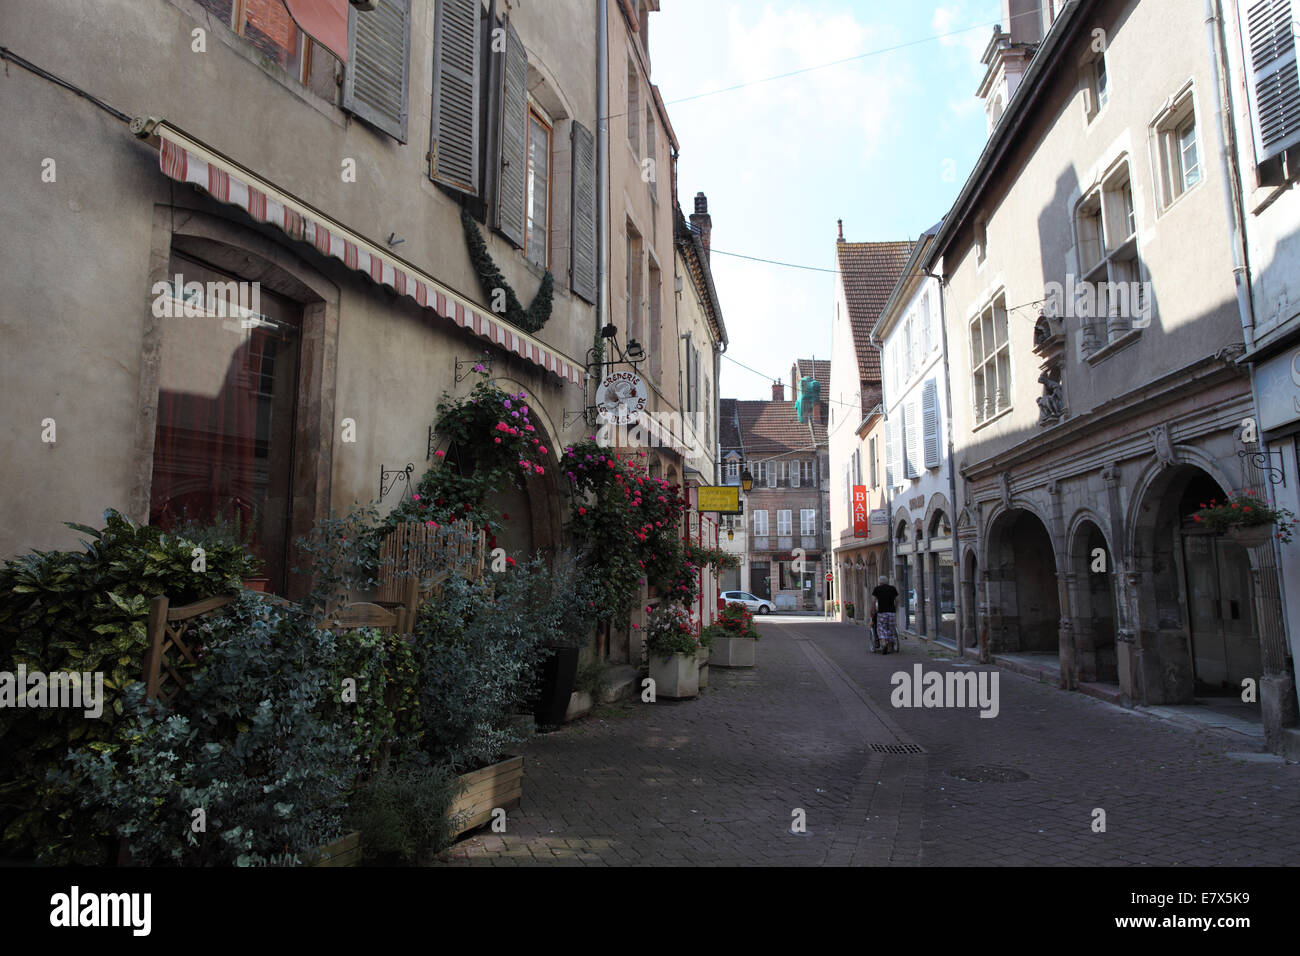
<point x="1246" y="518"/>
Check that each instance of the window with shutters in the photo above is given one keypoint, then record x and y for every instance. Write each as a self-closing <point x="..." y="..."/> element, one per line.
<point x="760" y="524"/>
<point x="633" y="107"/>
<point x="454" y="157"/>
<point x="807" y="520"/>
<point x="889" y="452"/>
<point x="783" y="522"/>
<point x="990" y="361"/>
<point x="909" y="350"/>
<point x="796" y="473"/>
<point x="267" y="26"/>
<point x="806" y="469"/>
<point x="635" y="269"/>
<point x="511" y="217"/>
<point x="770" y="472"/>
<point x="538" y="202"/>
<point x="582" y="225"/>
<point x="927" y="326"/>
<point x="650" y="165"/>
<point x="871" y="462"/>
<point x="1269" y="31"/>
<point x="911" y="429"/>
<point x="1177" y="148"/>
<point x="930" y="419"/>
<point x="656" y="322"/>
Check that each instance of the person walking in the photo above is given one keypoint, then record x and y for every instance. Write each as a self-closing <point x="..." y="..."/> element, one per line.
<point x="884" y="607"/>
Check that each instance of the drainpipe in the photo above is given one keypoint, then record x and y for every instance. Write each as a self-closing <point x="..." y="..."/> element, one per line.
<point x="958" y="591"/>
<point x="602" y="222"/>
<point x="889" y="489"/>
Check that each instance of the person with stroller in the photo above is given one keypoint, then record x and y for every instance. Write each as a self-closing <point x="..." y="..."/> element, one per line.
<point x="883" y="610"/>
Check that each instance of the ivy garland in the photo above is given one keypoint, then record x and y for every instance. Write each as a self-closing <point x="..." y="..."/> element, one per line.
<point x="490" y="278"/>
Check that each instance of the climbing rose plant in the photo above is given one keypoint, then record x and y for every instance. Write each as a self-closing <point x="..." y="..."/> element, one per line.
<point x="629" y="525"/>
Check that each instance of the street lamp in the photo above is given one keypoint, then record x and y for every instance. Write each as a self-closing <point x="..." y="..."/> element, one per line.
<point x="731" y="534"/>
<point x="746" y="480"/>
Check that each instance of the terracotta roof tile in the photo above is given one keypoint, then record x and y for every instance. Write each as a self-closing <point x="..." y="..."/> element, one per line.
<point x="819" y="369"/>
<point x="869" y="271"/>
<point x="770" y="428"/>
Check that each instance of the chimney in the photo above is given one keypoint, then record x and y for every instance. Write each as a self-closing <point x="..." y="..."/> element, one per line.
<point x="702" y="221"/>
<point x="840" y="223"/>
<point x="815" y="414"/>
<point x="778" y="391"/>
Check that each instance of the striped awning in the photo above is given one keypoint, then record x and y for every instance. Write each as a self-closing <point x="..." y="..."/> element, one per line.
<point x="187" y="161"/>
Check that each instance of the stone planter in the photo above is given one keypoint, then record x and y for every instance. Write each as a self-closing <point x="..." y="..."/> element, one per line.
<point x="499" y="785"/>
<point x="733" y="652"/>
<point x="702" y="659"/>
<point x="676" y="677"/>
<point x="1252" y="536"/>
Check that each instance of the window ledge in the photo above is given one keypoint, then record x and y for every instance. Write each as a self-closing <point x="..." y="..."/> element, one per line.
<point x="1182" y="195"/>
<point x="992" y="418"/>
<point x="1110" y="348"/>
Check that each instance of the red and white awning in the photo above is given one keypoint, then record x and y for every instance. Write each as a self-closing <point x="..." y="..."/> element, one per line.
<point x="186" y="161"/>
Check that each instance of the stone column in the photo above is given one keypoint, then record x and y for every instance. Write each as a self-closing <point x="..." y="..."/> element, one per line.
<point x="1078" y="627"/>
<point x="1127" y="648"/>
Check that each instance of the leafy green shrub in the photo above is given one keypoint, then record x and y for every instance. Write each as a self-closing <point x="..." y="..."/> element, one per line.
<point x="248" y="745"/>
<point x="383" y="717"/>
<point x="668" y="632"/>
<point x="593" y="677"/>
<point x="86" y="612"/>
<point x="404" y="812"/>
<point x="476" y="656"/>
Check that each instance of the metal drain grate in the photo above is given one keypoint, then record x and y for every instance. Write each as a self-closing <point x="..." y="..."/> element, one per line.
<point x="897" y="749"/>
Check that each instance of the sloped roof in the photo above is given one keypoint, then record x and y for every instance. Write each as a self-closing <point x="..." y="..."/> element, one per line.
<point x="770" y="428"/>
<point x="819" y="369"/>
<point x="868" y="272"/>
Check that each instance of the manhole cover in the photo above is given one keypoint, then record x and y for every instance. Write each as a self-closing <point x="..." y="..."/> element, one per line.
<point x="897" y="749"/>
<point x="990" y="774"/>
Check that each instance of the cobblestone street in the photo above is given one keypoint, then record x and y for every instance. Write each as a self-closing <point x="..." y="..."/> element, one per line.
<point x="716" y="781"/>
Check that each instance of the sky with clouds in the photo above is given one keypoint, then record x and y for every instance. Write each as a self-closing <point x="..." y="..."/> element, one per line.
<point x="883" y="142"/>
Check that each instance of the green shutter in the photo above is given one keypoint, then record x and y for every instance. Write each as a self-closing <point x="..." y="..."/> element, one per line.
<point x="582" y="273"/>
<point x="454" y="132"/>
<point x="513" y="160"/>
<point x="377" y="79"/>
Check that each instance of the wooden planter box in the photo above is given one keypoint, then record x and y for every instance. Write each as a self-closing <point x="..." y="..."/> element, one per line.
<point x="345" y="851"/>
<point x="676" y="677"/>
<point x="733" y="652"/>
<point x="500" y="785"/>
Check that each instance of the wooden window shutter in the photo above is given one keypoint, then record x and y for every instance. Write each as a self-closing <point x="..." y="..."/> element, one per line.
<point x="910" y="438"/>
<point x="513" y="160"/>
<point x="930" y="414"/>
<point x="891" y="429"/>
<point x="871" y="462"/>
<point x="454" y="133"/>
<point x="582" y="274"/>
<point x="376" y="82"/>
<point x="1270" y="36"/>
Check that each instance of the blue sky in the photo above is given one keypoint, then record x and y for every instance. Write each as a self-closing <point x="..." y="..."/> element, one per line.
<point x="884" y="142"/>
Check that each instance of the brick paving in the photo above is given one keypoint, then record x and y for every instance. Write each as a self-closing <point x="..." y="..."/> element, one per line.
<point x="715" y="781"/>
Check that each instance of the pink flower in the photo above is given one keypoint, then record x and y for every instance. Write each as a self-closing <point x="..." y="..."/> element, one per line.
<point x="439" y="454"/>
<point x="415" y="497"/>
<point x="542" y="449"/>
<point x="497" y="440"/>
<point x="431" y="524"/>
<point x="582" y="511"/>
<point x="540" y="470"/>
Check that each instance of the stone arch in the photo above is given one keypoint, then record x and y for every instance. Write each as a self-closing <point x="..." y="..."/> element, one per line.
<point x="938" y="502"/>
<point x="1191" y="594"/>
<point x="1018" y="503"/>
<point x="1092" y="580"/>
<point x="1024" y="602"/>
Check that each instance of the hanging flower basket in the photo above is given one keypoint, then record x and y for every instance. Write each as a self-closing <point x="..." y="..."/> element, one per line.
<point x="1246" y="518"/>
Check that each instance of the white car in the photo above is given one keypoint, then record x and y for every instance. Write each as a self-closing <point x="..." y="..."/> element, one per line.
<point x="758" y="605"/>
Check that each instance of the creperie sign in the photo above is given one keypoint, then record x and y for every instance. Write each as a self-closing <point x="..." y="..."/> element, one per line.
<point x="861" y="512"/>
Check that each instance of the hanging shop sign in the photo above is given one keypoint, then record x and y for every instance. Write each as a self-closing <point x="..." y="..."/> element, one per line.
<point x="722" y="499"/>
<point x="621" y="398"/>
<point x="861" y="512"/>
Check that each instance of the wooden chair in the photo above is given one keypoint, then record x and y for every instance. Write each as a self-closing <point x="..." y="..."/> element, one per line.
<point x="166" y="631"/>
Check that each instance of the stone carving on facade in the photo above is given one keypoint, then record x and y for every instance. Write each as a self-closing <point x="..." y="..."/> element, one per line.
<point x="1005" y="480"/>
<point x="1110" y="474"/>
<point x="1164" y="445"/>
<point x="1053" y="488"/>
<point x="1049" y="344"/>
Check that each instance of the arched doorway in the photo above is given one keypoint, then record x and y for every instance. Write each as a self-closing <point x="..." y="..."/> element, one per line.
<point x="942" y="594"/>
<point x="970" y="599"/>
<point x="1202" y="639"/>
<point x="1024" y="607"/>
<point x="903" y="579"/>
<point x="1094" y="606"/>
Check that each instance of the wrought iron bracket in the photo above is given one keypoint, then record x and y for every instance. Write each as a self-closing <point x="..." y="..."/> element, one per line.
<point x="389" y="477"/>
<point x="465" y="367"/>
<point x="586" y="414"/>
<point x="1263" y="463"/>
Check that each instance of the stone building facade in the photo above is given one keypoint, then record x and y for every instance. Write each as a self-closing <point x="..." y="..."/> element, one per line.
<point x="1088" y="432"/>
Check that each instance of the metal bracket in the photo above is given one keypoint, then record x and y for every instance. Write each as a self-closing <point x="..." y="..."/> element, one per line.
<point x="461" y="375"/>
<point x="569" y="417"/>
<point x="390" y="477"/>
<point x="428" y="454"/>
<point x="1263" y="463"/>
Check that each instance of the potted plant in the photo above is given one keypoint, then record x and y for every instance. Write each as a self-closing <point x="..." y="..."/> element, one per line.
<point x="562" y="605"/>
<point x="733" y="637"/>
<point x="1246" y="518"/>
<point x="673" y="650"/>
